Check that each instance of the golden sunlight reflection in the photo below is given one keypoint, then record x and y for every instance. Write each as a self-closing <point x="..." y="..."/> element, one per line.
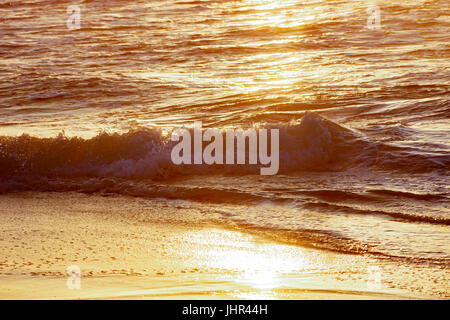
<point x="255" y="264"/>
<point x="273" y="13"/>
<point x="257" y="72"/>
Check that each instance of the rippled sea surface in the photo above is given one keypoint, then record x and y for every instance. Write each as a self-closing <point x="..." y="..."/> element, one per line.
<point x="364" y="114"/>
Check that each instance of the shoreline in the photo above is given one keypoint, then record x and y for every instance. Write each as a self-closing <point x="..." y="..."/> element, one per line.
<point x="131" y="248"/>
<point x="169" y="288"/>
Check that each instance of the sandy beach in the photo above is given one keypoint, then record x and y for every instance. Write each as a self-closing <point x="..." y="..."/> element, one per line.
<point x="162" y="250"/>
<point x="225" y="150"/>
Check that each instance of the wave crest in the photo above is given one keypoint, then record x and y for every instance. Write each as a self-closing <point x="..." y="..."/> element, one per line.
<point x="312" y="144"/>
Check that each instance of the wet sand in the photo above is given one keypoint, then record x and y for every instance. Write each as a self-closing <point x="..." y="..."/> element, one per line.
<point x="130" y="248"/>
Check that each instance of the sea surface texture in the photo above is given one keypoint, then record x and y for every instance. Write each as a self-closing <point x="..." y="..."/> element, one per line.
<point x="363" y="112"/>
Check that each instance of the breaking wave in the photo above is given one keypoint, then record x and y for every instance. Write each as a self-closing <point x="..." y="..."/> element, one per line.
<point x="312" y="144"/>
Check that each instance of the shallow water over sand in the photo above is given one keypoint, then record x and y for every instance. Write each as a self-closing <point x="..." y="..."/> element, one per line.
<point x="363" y="114"/>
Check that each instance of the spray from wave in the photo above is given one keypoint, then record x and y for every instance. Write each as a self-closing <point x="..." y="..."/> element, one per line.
<point x="312" y="144"/>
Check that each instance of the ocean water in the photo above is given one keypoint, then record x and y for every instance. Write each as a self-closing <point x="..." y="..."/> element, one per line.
<point x="363" y="114"/>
